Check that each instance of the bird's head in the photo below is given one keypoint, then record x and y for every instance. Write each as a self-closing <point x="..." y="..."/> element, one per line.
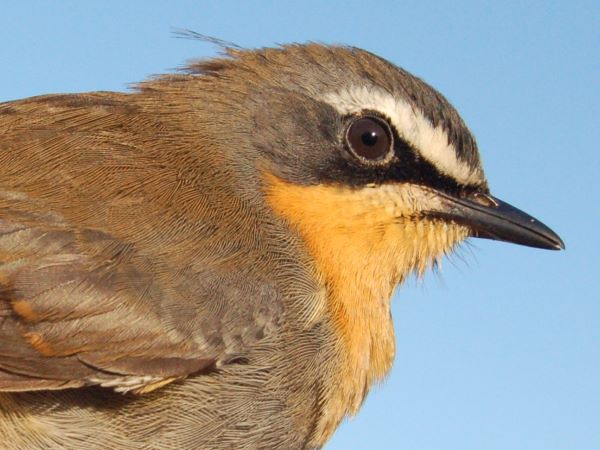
<point x="362" y="158"/>
<point x="352" y="145"/>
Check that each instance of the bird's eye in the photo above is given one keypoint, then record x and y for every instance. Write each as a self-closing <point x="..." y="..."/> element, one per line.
<point x="370" y="138"/>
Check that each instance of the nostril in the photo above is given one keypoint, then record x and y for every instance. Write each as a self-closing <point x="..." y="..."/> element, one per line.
<point x="485" y="200"/>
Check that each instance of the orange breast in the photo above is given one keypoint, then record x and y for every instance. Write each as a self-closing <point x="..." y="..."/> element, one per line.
<point x="363" y="241"/>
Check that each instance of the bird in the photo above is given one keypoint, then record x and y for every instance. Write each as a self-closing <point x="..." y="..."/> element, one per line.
<point x="207" y="260"/>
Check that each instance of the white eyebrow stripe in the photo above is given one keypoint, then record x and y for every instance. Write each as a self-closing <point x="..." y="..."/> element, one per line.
<point x="431" y="142"/>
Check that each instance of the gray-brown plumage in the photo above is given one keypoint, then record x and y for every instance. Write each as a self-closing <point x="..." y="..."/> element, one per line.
<point x="207" y="262"/>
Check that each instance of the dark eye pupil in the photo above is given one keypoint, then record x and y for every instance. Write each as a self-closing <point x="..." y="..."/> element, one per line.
<point x="369" y="138"/>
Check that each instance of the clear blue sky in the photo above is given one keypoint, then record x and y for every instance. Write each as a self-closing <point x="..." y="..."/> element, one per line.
<point x="501" y="350"/>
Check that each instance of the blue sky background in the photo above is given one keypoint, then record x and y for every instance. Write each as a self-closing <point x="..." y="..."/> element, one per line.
<point x="501" y="350"/>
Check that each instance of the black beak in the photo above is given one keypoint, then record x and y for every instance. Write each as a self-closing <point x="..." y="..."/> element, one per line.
<point x="491" y="218"/>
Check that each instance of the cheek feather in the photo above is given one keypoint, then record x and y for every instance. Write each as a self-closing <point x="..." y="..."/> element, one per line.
<point x="366" y="233"/>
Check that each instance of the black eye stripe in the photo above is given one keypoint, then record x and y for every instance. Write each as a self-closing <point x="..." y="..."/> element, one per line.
<point x="403" y="162"/>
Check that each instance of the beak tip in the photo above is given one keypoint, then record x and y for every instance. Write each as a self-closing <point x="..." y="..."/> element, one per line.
<point x="560" y="245"/>
<point x="555" y="242"/>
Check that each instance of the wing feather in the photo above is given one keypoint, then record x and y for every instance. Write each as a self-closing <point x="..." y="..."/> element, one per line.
<point x="113" y="265"/>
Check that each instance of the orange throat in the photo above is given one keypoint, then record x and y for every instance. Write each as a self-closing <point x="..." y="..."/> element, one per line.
<point x="363" y="241"/>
